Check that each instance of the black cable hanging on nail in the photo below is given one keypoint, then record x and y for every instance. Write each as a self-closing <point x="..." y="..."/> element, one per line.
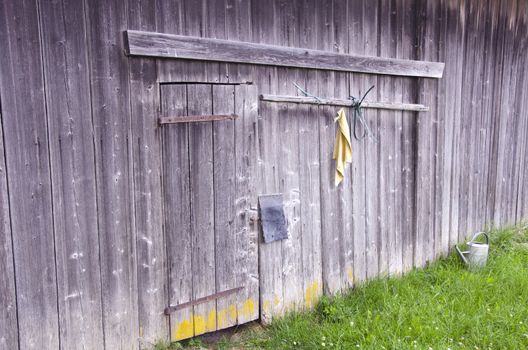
<point x="359" y="115"/>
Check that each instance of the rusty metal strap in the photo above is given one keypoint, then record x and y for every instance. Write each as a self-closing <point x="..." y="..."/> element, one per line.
<point x="196" y="118"/>
<point x="172" y="308"/>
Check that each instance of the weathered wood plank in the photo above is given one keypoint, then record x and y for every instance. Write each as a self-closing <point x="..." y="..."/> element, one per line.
<point x="177" y="214"/>
<point x="331" y="226"/>
<point x="270" y="257"/>
<point x="146" y="160"/>
<point x="225" y="246"/>
<point x="246" y="222"/>
<point x="341" y="89"/>
<point x="456" y="14"/>
<point x="286" y="19"/>
<point x="238" y="26"/>
<point x="73" y="174"/>
<point x="201" y="158"/>
<point x="309" y="174"/>
<point x="369" y="145"/>
<point x="110" y="87"/>
<point x="389" y="123"/>
<point x="344" y="103"/>
<point x="270" y="254"/>
<point x="357" y="45"/>
<point x="406" y="48"/>
<point x="8" y="303"/>
<point x="425" y="143"/>
<point x="141" y="43"/>
<point x="29" y="183"/>
<point x="288" y="165"/>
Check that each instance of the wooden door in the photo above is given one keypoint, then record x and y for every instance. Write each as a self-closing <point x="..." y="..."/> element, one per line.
<point x="211" y="241"/>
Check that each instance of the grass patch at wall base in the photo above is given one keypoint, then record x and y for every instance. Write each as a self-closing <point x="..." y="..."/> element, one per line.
<point x="444" y="306"/>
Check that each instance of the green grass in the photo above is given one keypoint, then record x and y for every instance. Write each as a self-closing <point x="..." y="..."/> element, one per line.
<point x="441" y="307"/>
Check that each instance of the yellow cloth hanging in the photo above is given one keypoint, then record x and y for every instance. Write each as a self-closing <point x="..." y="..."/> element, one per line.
<point x="342" y="146"/>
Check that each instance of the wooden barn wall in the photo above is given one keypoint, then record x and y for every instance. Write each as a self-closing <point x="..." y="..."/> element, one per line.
<point x="84" y="258"/>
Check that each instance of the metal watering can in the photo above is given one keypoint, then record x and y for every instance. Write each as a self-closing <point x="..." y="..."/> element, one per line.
<point x="477" y="255"/>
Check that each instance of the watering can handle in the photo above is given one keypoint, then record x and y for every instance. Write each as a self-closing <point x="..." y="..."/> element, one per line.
<point x="461" y="253"/>
<point x="478" y="234"/>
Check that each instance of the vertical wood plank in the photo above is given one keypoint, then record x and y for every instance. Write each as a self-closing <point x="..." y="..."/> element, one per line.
<point x="457" y="16"/>
<point x="270" y="254"/>
<point x="330" y="216"/>
<point x="407" y="49"/>
<point x="426" y="143"/>
<point x="27" y="158"/>
<point x="146" y="157"/>
<point x="390" y="128"/>
<point x="73" y="174"/>
<point x="177" y="214"/>
<point x="476" y="46"/>
<point x="199" y="101"/>
<point x="370" y="22"/>
<point x="246" y="220"/>
<point x="340" y="29"/>
<point x="8" y="302"/>
<point x="110" y="86"/>
<point x="288" y="163"/>
<point x="239" y="27"/>
<point x="288" y="172"/>
<point x="358" y="44"/>
<point x="225" y="245"/>
<point x="309" y="172"/>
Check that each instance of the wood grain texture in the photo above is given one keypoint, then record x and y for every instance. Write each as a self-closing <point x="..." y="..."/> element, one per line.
<point x="309" y="174"/>
<point x="224" y="173"/>
<point x="246" y="223"/>
<point x="406" y="48"/>
<point x="177" y="214"/>
<point x="344" y="103"/>
<point x="426" y="146"/>
<point x="73" y="174"/>
<point x="270" y="255"/>
<point x="147" y="189"/>
<point x="201" y="159"/>
<point x="357" y="44"/>
<point x="151" y="44"/>
<point x="110" y="87"/>
<point x="8" y="303"/>
<point x="238" y="27"/>
<point x="331" y="227"/>
<point x="27" y="157"/>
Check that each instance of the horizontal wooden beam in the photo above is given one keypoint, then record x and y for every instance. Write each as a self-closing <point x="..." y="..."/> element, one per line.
<point x="345" y="103"/>
<point x="139" y="43"/>
<point x="196" y="118"/>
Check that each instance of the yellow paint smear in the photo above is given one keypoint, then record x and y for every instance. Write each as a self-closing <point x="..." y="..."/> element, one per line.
<point x="248" y="308"/>
<point x="311" y="295"/>
<point x="227" y="317"/>
<point x="350" y="275"/>
<point x="199" y="325"/>
<point x="232" y="312"/>
<point x="203" y="325"/>
<point x="266" y="307"/>
<point x="183" y="330"/>
<point x="210" y="326"/>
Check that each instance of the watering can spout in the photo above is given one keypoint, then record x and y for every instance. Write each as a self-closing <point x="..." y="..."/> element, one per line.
<point x="477" y="255"/>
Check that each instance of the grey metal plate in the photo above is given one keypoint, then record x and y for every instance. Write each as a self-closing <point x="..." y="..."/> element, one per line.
<point x="272" y="218"/>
